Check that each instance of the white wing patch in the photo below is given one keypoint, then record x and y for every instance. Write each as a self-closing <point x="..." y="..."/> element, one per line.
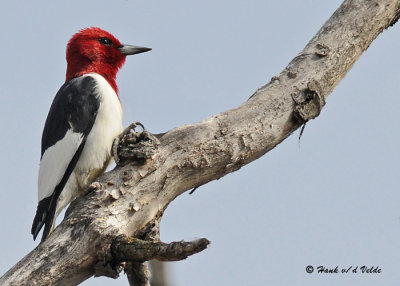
<point x="55" y="161"/>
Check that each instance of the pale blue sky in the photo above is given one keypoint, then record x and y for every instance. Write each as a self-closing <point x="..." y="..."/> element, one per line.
<point x="332" y="199"/>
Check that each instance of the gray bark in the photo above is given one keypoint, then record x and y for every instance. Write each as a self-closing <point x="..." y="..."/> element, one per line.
<point x="129" y="200"/>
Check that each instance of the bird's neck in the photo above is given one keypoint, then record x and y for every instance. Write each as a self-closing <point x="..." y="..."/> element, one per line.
<point x="106" y="70"/>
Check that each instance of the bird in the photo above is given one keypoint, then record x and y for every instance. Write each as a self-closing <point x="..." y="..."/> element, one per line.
<point x="84" y="119"/>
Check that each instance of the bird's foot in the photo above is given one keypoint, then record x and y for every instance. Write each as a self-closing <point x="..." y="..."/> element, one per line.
<point x="94" y="186"/>
<point x="132" y="145"/>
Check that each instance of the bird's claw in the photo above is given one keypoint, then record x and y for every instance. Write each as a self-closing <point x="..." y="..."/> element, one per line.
<point x="132" y="145"/>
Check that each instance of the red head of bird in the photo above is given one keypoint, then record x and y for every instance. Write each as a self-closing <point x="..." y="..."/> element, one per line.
<point x="93" y="50"/>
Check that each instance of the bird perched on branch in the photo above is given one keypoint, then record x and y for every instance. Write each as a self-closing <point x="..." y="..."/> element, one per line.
<point x="83" y="121"/>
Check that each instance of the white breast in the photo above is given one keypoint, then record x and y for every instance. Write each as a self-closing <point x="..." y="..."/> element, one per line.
<point x="108" y="125"/>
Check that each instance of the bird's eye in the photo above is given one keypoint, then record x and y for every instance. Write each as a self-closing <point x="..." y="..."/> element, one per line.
<point x="105" y="41"/>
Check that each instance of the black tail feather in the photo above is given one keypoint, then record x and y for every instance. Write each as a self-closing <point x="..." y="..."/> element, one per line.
<point x="41" y="217"/>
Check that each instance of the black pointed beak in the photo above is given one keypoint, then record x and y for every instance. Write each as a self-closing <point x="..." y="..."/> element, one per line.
<point x="132" y="50"/>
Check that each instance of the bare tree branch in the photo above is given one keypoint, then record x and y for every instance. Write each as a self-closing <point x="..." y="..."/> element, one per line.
<point x="130" y="200"/>
<point x="133" y="249"/>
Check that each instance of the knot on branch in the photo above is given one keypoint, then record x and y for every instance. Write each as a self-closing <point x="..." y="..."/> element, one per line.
<point x="308" y="102"/>
<point x="322" y="50"/>
<point x="129" y="249"/>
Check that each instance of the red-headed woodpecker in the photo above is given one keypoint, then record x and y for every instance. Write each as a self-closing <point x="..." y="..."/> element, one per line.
<point x="84" y="119"/>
